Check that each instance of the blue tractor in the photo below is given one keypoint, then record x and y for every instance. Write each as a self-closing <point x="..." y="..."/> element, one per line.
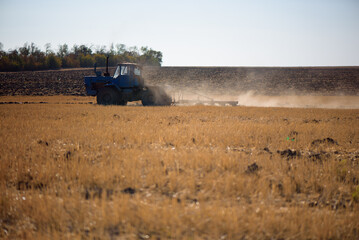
<point x="124" y="86"/>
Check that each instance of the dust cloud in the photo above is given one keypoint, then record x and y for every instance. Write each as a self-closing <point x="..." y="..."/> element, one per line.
<point x="295" y="101"/>
<point x="185" y="96"/>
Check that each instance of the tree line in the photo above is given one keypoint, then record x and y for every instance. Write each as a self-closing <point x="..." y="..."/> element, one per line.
<point x="30" y="57"/>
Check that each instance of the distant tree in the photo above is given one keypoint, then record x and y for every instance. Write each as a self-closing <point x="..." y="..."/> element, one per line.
<point x="5" y="64"/>
<point x="82" y="49"/>
<point x="25" y="50"/>
<point x="133" y="51"/>
<point x="112" y="50"/>
<point x="75" y="49"/>
<point x="2" y="53"/>
<point x="100" y="50"/>
<point x="150" y="57"/>
<point x="48" y="49"/>
<point x="34" y="49"/>
<point x="100" y="60"/>
<point x="129" y="57"/>
<point x="63" y="50"/>
<point x="12" y="61"/>
<point x="53" y="62"/>
<point x="120" y="49"/>
<point x="119" y="59"/>
<point x="28" y="62"/>
<point x="39" y="57"/>
<point x="30" y="57"/>
<point x="86" y="61"/>
<point x="70" y="61"/>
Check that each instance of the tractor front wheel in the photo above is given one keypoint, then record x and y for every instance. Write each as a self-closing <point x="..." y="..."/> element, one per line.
<point x="107" y="96"/>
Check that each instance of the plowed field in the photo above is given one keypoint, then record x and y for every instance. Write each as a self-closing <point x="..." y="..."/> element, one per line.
<point x="211" y="80"/>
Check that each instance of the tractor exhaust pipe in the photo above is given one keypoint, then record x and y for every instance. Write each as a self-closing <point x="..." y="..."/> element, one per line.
<point x="107" y="74"/>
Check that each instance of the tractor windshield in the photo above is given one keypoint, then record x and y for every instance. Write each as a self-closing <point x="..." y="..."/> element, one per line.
<point x="117" y="72"/>
<point x="124" y="70"/>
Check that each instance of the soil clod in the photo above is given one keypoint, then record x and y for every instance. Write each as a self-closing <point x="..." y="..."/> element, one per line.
<point x="252" y="168"/>
<point x="43" y="142"/>
<point x="68" y="155"/>
<point x="116" y="116"/>
<point x="324" y="141"/>
<point x="289" y="153"/>
<point x="129" y="190"/>
<point x="267" y="150"/>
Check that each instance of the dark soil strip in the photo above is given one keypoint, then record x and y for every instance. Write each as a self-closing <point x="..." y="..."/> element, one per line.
<point x="46" y="103"/>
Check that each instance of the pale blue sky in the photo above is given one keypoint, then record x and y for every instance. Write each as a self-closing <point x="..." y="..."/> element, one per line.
<point x="195" y="33"/>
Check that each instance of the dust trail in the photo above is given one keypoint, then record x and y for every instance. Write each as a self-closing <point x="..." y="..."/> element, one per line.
<point x="293" y="101"/>
<point x="204" y="94"/>
<point x="254" y="99"/>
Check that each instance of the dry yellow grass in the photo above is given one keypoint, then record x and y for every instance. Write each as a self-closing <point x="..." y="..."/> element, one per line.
<point x="89" y="171"/>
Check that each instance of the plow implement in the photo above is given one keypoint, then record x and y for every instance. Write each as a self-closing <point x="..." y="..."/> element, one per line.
<point x="194" y="98"/>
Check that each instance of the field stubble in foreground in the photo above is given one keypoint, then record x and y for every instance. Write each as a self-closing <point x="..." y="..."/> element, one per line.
<point x="115" y="172"/>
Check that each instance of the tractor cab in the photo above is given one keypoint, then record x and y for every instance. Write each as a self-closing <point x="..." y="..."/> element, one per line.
<point x="129" y="74"/>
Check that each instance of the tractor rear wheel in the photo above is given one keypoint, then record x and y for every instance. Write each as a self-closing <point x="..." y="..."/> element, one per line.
<point x="108" y="96"/>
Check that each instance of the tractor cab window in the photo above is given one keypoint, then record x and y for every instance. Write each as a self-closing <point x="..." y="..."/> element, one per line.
<point x="117" y="72"/>
<point x="137" y="71"/>
<point x="124" y="70"/>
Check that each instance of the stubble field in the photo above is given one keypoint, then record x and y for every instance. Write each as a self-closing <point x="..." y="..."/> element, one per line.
<point x="194" y="172"/>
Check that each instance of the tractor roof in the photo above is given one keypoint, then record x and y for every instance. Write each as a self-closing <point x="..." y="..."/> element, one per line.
<point x="127" y="63"/>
